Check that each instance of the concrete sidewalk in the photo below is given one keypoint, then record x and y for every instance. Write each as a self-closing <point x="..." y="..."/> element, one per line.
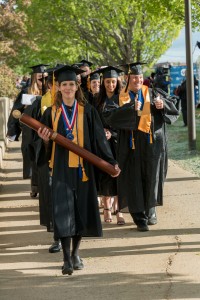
<point x="163" y="263"/>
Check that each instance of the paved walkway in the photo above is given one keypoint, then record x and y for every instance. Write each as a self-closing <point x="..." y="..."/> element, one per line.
<point x="163" y="263"/>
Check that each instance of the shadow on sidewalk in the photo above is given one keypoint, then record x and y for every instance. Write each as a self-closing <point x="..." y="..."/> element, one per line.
<point x="119" y="285"/>
<point x="182" y="179"/>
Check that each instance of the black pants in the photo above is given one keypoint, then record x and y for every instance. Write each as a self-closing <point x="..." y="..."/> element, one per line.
<point x="141" y="218"/>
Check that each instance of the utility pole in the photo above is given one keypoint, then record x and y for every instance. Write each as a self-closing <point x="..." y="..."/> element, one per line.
<point x="190" y="79"/>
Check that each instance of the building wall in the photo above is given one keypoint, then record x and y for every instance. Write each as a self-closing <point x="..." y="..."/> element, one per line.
<point x="4" y="113"/>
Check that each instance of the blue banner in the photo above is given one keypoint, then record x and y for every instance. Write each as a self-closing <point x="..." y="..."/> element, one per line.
<point x="177" y="74"/>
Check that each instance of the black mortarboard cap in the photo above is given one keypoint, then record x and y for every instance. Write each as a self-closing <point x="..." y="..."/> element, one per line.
<point x="67" y="73"/>
<point x="133" y="68"/>
<point x="109" y="72"/>
<point x="84" y="62"/>
<point x="94" y="75"/>
<point x="39" y="68"/>
<point x="43" y="78"/>
<point x="77" y="65"/>
<point x="51" y="70"/>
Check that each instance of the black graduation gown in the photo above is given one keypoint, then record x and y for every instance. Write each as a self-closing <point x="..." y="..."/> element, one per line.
<point x="27" y="146"/>
<point x="15" y="128"/>
<point x="42" y="167"/>
<point x="92" y="99"/>
<point x="107" y="184"/>
<point x="143" y="169"/>
<point x="84" y="84"/>
<point x="75" y="205"/>
<point x="13" y="125"/>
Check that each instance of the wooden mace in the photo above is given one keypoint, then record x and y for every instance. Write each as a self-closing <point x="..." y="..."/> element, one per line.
<point x="66" y="143"/>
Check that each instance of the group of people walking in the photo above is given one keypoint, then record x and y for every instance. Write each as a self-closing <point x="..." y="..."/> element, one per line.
<point x="113" y="115"/>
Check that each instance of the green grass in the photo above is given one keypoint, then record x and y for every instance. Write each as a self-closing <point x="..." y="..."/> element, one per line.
<point x="178" y="145"/>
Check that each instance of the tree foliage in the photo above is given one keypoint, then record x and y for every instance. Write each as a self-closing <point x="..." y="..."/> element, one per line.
<point x="105" y="31"/>
<point x="7" y="82"/>
<point x="13" y="32"/>
<point x="13" y="40"/>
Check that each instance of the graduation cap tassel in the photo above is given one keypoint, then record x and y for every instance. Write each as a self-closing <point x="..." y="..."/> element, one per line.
<point x="129" y="72"/>
<point x="127" y="83"/>
<point x="101" y="78"/>
<point x="53" y="90"/>
<point x="43" y="85"/>
<point x="151" y="137"/>
<point x="88" y="82"/>
<point x="131" y="141"/>
<point x="80" y="171"/>
<point x="84" y="176"/>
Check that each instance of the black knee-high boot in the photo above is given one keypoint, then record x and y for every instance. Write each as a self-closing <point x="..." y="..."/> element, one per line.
<point x="66" y="241"/>
<point x="76" y="240"/>
<point x="68" y="266"/>
<point x="76" y="260"/>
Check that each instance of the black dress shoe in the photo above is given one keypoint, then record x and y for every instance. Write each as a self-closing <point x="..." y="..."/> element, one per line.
<point x="77" y="263"/>
<point x="55" y="247"/>
<point x="33" y="195"/>
<point x="152" y="216"/>
<point x="152" y="221"/>
<point x="67" y="268"/>
<point x="142" y="227"/>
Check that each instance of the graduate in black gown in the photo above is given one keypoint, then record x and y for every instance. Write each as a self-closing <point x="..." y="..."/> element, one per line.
<point x="109" y="90"/>
<point x="14" y="131"/>
<point x="93" y="84"/>
<point x="44" y="179"/>
<point x="74" y="195"/>
<point x="140" y="115"/>
<point x="86" y="67"/>
<point x="13" y="125"/>
<point x="36" y="88"/>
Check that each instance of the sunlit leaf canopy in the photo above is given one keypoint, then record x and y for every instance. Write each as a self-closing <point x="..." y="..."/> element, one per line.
<point x="107" y="32"/>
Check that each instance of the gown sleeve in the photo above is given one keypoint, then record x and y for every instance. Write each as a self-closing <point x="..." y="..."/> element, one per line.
<point x="100" y="145"/>
<point x="123" y="117"/>
<point x="170" y="113"/>
<point x="43" y="152"/>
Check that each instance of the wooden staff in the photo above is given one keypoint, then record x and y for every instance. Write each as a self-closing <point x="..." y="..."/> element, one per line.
<point x="66" y="143"/>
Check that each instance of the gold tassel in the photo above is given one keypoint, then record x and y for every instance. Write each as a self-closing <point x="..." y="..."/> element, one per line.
<point x="53" y="90"/>
<point x="84" y="178"/>
<point x="55" y="115"/>
<point x="127" y="84"/>
<point x="133" y="142"/>
<point x="88" y="83"/>
<point x="101" y="78"/>
<point x="151" y="137"/>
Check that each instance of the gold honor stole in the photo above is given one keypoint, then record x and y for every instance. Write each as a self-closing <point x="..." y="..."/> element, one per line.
<point x="74" y="160"/>
<point x="46" y="101"/>
<point x="145" y="118"/>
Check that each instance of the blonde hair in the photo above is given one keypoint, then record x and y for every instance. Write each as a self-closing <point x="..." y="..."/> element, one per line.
<point x="34" y="89"/>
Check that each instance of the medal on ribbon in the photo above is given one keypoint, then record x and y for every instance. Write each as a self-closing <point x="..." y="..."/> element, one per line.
<point x="69" y="120"/>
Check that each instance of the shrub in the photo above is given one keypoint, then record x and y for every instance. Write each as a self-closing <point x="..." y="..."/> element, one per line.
<point x="7" y="82"/>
